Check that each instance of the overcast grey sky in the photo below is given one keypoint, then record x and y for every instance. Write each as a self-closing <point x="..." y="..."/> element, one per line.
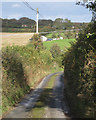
<point x="49" y="10"/>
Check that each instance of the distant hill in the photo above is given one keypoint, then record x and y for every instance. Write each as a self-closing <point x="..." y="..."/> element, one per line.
<point x="26" y="21"/>
<point x="13" y="23"/>
<point x="43" y="22"/>
<point x="27" y="24"/>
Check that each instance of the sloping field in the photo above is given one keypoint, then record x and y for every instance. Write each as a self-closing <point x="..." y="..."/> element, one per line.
<point x="15" y="38"/>
<point x="63" y="44"/>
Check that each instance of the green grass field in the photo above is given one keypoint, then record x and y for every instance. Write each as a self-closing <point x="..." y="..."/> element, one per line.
<point x="62" y="34"/>
<point x="63" y="44"/>
<point x="50" y="35"/>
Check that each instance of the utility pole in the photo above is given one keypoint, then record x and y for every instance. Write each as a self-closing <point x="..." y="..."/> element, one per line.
<point x="37" y="23"/>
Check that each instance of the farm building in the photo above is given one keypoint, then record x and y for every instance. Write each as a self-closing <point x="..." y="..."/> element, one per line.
<point x="43" y="38"/>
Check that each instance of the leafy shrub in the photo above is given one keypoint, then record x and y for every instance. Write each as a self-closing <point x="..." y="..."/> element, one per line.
<point x="68" y="34"/>
<point x="53" y="35"/>
<point x="56" y="54"/>
<point x="55" y="50"/>
<point x="14" y="82"/>
<point x="36" y="41"/>
<point x="80" y="73"/>
<point x="23" y="67"/>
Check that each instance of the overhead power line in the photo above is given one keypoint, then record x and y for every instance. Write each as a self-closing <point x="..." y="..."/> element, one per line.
<point x="29" y="6"/>
<point x="37" y="12"/>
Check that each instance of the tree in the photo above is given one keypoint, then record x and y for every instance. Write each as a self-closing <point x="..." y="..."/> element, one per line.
<point x="91" y="5"/>
<point x="58" y="23"/>
<point x="13" y="23"/>
<point x="43" y="23"/>
<point x="26" y="21"/>
<point x="58" y="35"/>
<point x="55" y="50"/>
<point x="36" y="41"/>
<point x="53" y="35"/>
<point x="67" y="23"/>
<point x="68" y="34"/>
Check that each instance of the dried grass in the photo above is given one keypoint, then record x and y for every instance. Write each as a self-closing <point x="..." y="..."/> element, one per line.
<point x="20" y="39"/>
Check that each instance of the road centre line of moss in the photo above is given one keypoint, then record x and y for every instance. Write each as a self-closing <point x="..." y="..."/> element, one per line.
<point x="39" y="110"/>
<point x="26" y="105"/>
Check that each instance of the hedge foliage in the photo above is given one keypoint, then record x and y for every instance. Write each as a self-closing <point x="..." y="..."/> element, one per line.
<point x="22" y="68"/>
<point x="80" y="73"/>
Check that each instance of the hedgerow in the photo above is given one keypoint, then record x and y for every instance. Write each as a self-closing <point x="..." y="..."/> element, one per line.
<point x="80" y="74"/>
<point x="22" y="69"/>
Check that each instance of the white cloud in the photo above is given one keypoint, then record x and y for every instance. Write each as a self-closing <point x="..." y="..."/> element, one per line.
<point x="15" y="5"/>
<point x="16" y="16"/>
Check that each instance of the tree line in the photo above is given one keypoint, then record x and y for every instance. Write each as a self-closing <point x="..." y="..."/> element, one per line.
<point x="44" y="25"/>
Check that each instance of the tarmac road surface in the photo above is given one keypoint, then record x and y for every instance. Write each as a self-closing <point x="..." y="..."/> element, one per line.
<point x="57" y="107"/>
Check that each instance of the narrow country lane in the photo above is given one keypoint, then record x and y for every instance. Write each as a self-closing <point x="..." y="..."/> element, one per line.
<point x="54" y="105"/>
<point x="57" y="107"/>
